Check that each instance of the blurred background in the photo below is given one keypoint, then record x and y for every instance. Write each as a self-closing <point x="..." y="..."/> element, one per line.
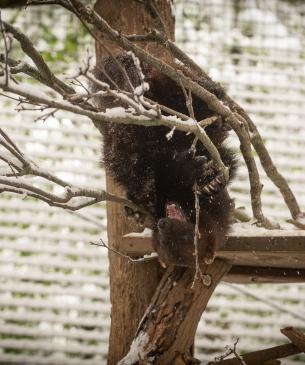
<point x="54" y="295"/>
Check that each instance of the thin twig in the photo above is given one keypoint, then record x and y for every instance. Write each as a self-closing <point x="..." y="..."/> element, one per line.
<point x="64" y="3"/>
<point x="198" y="271"/>
<point x="139" y="260"/>
<point x="230" y="112"/>
<point x="2" y="29"/>
<point x="230" y="351"/>
<point x="89" y="15"/>
<point x="256" y="139"/>
<point x="72" y="197"/>
<point x="29" y="49"/>
<point x="206" y="279"/>
<point x="128" y="118"/>
<point x="106" y="49"/>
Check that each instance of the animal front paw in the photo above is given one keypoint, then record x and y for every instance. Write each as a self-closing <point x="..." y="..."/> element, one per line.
<point x="210" y="181"/>
<point x="209" y="257"/>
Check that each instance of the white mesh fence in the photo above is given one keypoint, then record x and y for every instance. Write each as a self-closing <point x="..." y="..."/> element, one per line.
<point x="54" y="294"/>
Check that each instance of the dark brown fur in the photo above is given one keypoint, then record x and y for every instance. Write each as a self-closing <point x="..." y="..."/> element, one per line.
<point x="156" y="171"/>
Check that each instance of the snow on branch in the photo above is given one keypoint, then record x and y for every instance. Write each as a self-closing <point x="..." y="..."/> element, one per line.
<point x="140" y="110"/>
<point x="137" y="108"/>
<point x="234" y="115"/>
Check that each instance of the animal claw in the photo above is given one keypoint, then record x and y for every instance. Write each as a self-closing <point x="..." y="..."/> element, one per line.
<point x="213" y="187"/>
<point x="206" y="190"/>
<point x="162" y="263"/>
<point x="201" y="159"/>
<point x="208" y="260"/>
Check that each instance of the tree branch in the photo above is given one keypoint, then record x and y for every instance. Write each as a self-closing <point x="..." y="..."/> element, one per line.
<point x="29" y="49"/>
<point x="232" y="113"/>
<point x="262" y="357"/>
<point x="255" y="137"/>
<point x="87" y="14"/>
<point x="72" y="196"/>
<point x="188" y="125"/>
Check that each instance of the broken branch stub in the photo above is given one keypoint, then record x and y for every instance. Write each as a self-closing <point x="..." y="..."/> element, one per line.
<point x="167" y="330"/>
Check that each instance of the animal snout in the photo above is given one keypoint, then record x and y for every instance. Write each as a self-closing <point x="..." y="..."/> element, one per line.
<point x="163" y="223"/>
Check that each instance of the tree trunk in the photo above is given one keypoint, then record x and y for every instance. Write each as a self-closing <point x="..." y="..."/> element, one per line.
<point x="167" y="330"/>
<point x="132" y="285"/>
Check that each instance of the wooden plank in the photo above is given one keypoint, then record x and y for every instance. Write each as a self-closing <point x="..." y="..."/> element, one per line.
<point x="274" y="258"/>
<point x="250" y="275"/>
<point x="296" y="336"/>
<point x="255" y="248"/>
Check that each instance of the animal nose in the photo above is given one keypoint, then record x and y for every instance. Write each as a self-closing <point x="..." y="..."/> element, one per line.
<point x="162" y="224"/>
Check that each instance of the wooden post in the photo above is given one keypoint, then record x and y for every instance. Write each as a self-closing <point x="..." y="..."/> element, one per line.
<point x="131" y="285"/>
<point x="167" y="330"/>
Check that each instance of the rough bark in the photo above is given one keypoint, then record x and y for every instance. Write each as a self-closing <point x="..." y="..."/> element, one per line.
<point x="131" y="284"/>
<point x="130" y="17"/>
<point x="167" y="330"/>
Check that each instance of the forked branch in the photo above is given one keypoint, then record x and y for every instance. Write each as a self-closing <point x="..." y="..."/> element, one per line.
<point x="71" y="197"/>
<point x="229" y="110"/>
<point x="271" y="355"/>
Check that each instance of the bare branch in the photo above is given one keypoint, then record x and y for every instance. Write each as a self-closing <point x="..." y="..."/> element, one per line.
<point x="206" y="279"/>
<point x="183" y="125"/>
<point x="72" y="196"/>
<point x="123" y="117"/>
<point x="256" y="138"/>
<point x="197" y="130"/>
<point x="63" y="3"/>
<point x="145" y="258"/>
<point x="2" y="30"/>
<point x="29" y="49"/>
<point x="270" y="354"/>
<point x="231" y="112"/>
<point x="299" y="222"/>
<point x="272" y="172"/>
<point x="88" y="15"/>
<point x="18" y="66"/>
<point x="159" y="37"/>
<point x="230" y="351"/>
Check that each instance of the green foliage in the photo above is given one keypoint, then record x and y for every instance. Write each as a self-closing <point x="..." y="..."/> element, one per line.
<point x="57" y="35"/>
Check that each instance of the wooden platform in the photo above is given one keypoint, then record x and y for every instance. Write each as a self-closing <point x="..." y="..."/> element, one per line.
<point x="257" y="255"/>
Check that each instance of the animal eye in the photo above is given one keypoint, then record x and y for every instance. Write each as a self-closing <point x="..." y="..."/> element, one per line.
<point x="163" y="223"/>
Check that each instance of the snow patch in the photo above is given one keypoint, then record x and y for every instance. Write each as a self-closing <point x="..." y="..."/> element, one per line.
<point x="139" y="90"/>
<point x="170" y="134"/>
<point x="147" y="232"/>
<point x="137" y="351"/>
<point x="150" y="256"/>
